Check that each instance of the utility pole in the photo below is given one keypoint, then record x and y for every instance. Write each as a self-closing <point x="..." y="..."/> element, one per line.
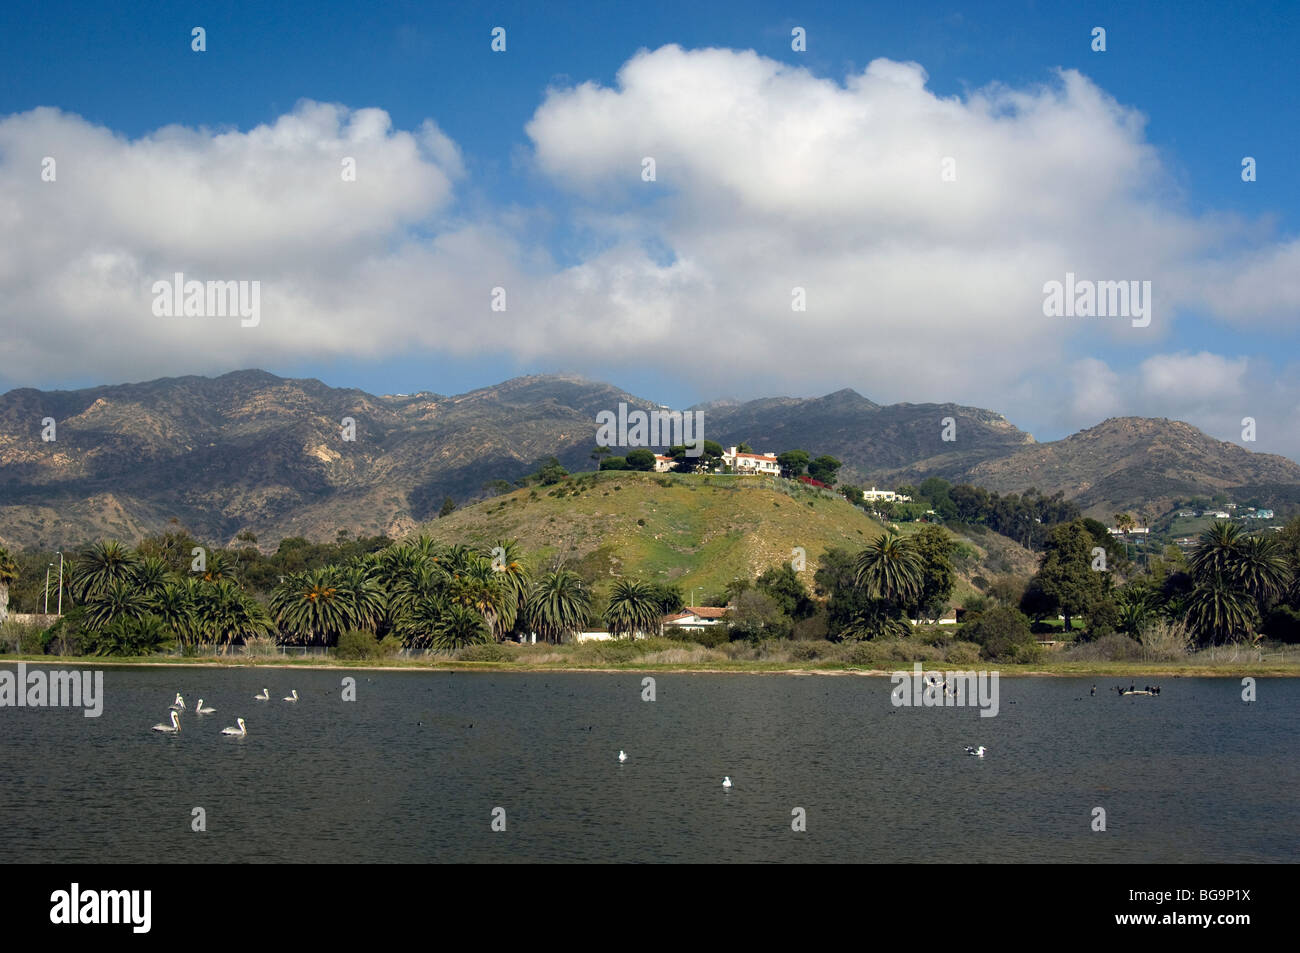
<point x="60" y="582"/>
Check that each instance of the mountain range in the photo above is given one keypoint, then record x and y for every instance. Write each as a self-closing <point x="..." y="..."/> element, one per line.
<point x="252" y="451"/>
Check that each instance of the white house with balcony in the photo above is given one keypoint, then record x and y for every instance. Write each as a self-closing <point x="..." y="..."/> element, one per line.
<point x="764" y="463"/>
<point x="663" y="464"/>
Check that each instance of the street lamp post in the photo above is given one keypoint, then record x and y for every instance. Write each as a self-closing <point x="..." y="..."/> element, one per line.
<point x="60" y="582"/>
<point x="47" y="587"/>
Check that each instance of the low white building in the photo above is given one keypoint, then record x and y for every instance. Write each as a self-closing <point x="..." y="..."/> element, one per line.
<point x="696" y="617"/>
<point x="751" y="462"/>
<point x="664" y="464"/>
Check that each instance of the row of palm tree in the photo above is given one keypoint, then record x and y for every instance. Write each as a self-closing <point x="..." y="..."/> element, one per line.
<point x="424" y="594"/>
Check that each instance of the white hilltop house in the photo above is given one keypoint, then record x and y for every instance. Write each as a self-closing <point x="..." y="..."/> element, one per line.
<point x="663" y="464"/>
<point x="886" y="496"/>
<point x="751" y="462"/>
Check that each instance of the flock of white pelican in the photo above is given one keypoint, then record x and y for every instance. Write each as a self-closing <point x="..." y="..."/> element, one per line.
<point x="178" y="705"/>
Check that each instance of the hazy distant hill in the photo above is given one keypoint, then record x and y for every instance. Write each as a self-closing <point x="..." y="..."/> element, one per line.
<point x="250" y="450"/>
<point x="1140" y="464"/>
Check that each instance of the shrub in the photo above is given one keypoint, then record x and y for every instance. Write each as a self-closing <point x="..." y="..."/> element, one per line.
<point x="999" y="631"/>
<point x="962" y="653"/>
<point x="1108" y="648"/>
<point x="486" y="652"/>
<point x="389" y="646"/>
<point x="710" y="637"/>
<point x="357" y="644"/>
<point x="22" y="637"/>
<point x="1282" y="625"/>
<point x="1165" y="641"/>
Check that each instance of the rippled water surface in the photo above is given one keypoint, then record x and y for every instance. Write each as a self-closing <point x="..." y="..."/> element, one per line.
<point x="412" y="770"/>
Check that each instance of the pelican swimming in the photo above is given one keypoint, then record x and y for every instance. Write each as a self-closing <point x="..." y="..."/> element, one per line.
<point x="264" y="697"/>
<point x="173" y="728"/>
<point x="179" y="703"/>
<point x="200" y="710"/>
<point x="241" y="730"/>
<point x="726" y="782"/>
<point x="621" y="756"/>
<point x="975" y="752"/>
<point x="292" y="697"/>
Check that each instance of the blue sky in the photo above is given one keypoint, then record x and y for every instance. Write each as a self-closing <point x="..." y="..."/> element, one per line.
<point x="1213" y="82"/>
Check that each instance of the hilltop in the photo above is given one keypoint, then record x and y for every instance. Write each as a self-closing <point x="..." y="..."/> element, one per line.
<point x="692" y="530"/>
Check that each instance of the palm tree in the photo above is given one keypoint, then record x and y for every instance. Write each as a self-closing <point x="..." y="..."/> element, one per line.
<point x="460" y="626"/>
<point x="1218" y="551"/>
<point x="224" y="612"/>
<point x="312" y="606"/>
<point x="1218" y="611"/>
<point x="1135" y="610"/>
<point x="516" y="579"/>
<point x="476" y="585"/>
<point x="174" y="607"/>
<point x="418" y="623"/>
<point x="151" y="575"/>
<point x="8" y="576"/>
<point x="119" y="599"/>
<point x="890" y="569"/>
<point x="558" y="606"/>
<point x="1262" y="569"/>
<point x="103" y="563"/>
<point x="633" y="608"/>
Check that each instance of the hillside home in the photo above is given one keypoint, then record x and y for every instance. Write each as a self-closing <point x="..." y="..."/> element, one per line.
<point x="887" y="496"/>
<point x="695" y="618"/>
<point x="751" y="462"/>
<point x="1261" y="515"/>
<point x="663" y="464"/>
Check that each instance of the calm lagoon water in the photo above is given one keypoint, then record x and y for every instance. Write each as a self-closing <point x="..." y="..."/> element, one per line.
<point x="412" y="770"/>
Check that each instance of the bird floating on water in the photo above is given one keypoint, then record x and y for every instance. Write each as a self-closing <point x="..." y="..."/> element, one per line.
<point x="975" y="752"/>
<point x="200" y="710"/>
<point x="173" y="728"/>
<point x="241" y="731"/>
<point x="621" y="756"/>
<point x="179" y="703"/>
<point x="264" y="697"/>
<point x="293" y="697"/>
<point x="726" y="782"/>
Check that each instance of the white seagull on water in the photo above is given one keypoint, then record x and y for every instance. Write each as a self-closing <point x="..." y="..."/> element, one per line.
<point x="726" y="782"/>
<point x="621" y="756"/>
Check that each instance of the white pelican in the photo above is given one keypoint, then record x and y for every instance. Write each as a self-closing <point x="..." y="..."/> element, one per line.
<point x="726" y="782"/>
<point x="173" y="728"/>
<point x="179" y="703"/>
<point x="621" y="756"/>
<point x="241" y="731"/>
<point x="293" y="697"/>
<point x="975" y="752"/>
<point x="264" y="697"/>
<point x="200" y="710"/>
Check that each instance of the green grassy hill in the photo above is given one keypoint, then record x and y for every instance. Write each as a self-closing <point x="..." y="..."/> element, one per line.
<point x="692" y="530"/>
